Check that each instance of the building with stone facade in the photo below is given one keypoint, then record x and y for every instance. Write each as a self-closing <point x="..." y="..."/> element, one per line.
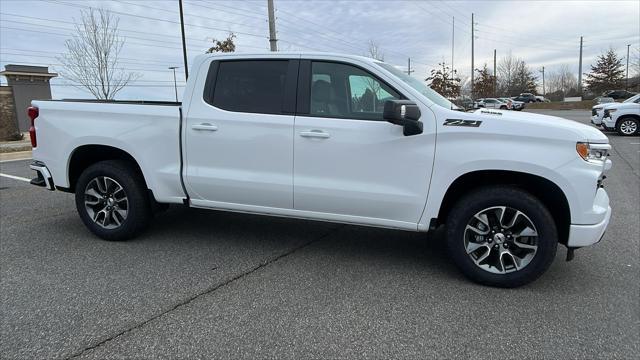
<point x="25" y="83"/>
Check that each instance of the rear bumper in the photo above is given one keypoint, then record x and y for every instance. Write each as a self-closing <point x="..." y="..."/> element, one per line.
<point x="585" y="235"/>
<point x="43" y="178"/>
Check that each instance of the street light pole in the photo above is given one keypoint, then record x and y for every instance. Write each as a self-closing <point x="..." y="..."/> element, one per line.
<point x="626" y="84"/>
<point x="175" y="85"/>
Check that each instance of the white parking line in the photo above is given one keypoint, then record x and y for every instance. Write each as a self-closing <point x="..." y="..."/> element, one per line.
<point x="15" y="177"/>
<point x="634" y="143"/>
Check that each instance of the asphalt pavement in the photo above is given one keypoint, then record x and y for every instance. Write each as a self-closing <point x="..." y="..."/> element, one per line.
<point x="205" y="284"/>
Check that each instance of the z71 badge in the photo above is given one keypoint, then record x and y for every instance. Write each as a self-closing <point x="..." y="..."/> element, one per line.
<point x="460" y="122"/>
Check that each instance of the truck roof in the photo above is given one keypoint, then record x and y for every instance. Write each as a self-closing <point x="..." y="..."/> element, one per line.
<point x="285" y="54"/>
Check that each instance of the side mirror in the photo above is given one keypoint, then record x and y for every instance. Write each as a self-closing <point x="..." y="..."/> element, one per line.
<point x="405" y="113"/>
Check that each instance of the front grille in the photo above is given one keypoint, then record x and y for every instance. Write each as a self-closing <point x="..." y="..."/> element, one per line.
<point x="594" y="112"/>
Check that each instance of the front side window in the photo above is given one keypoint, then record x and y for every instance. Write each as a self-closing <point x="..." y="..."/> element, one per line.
<point x="253" y="86"/>
<point x="345" y="91"/>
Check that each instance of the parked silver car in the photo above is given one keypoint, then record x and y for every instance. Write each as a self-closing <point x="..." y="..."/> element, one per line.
<point x="492" y="103"/>
<point x="515" y="105"/>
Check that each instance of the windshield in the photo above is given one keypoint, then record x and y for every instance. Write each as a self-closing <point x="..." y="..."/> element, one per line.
<point x="419" y="86"/>
<point x="632" y="99"/>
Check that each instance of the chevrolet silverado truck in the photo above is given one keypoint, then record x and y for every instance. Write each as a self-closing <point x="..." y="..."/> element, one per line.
<point x="597" y="114"/>
<point x="623" y="117"/>
<point x="335" y="138"/>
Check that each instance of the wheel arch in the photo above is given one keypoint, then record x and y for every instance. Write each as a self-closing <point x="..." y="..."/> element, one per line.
<point x="86" y="155"/>
<point x="622" y="117"/>
<point x="549" y="193"/>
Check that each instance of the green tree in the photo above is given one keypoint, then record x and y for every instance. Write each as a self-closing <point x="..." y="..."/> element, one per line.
<point x="483" y="83"/>
<point x="444" y="82"/>
<point x="224" y="46"/>
<point x="608" y="73"/>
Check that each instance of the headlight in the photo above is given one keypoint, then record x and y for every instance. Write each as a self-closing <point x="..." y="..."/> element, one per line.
<point x="612" y="110"/>
<point x="593" y="152"/>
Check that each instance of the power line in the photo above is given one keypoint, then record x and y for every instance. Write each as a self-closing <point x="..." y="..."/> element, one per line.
<point x="173" y="12"/>
<point x="73" y="23"/>
<point x="67" y="35"/>
<point x="138" y="61"/>
<point x="153" y="18"/>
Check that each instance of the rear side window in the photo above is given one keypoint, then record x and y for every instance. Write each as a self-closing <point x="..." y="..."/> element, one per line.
<point x="253" y="86"/>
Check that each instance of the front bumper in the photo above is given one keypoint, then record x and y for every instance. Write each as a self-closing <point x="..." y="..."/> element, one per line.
<point x="585" y="235"/>
<point x="596" y="120"/>
<point x="608" y="122"/>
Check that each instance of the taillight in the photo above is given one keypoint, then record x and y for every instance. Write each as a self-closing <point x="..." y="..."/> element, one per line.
<point x="33" y="113"/>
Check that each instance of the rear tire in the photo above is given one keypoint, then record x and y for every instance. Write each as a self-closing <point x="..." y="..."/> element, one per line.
<point x="508" y="254"/>
<point x="628" y="126"/>
<point x="112" y="200"/>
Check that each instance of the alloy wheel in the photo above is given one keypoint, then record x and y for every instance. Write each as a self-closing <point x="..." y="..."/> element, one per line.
<point x="628" y="127"/>
<point x="106" y="202"/>
<point x="501" y="239"/>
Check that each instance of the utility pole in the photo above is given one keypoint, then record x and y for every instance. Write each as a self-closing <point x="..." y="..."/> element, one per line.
<point x="495" y="75"/>
<point x="175" y="84"/>
<point x="542" y="71"/>
<point x="626" y="84"/>
<point x="184" y="44"/>
<point x="273" y="42"/>
<point x="453" y="36"/>
<point x="409" y="71"/>
<point x="580" y="69"/>
<point x="472" y="53"/>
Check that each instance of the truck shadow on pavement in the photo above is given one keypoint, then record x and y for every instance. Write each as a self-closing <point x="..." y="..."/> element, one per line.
<point x="350" y="245"/>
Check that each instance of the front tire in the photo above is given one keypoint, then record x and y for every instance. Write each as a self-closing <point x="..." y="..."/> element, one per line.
<point x="112" y="200"/>
<point x="628" y="126"/>
<point x="501" y="236"/>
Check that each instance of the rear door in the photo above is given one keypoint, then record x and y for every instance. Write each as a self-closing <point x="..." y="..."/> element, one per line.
<point x="239" y="135"/>
<point x="349" y="163"/>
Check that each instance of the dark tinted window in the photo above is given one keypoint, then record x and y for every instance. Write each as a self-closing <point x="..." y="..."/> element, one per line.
<point x="254" y="86"/>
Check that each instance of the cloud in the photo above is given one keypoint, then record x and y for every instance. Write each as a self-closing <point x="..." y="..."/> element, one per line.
<point x="543" y="33"/>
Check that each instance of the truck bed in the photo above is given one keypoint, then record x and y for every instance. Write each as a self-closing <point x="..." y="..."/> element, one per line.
<point x="148" y="131"/>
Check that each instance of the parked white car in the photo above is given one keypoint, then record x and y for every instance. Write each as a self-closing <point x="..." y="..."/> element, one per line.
<point x="492" y="103"/>
<point x="623" y="117"/>
<point x="335" y="138"/>
<point x="515" y="105"/>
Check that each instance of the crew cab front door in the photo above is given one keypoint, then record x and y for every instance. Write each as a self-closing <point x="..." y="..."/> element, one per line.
<point x="349" y="163"/>
<point x="239" y="135"/>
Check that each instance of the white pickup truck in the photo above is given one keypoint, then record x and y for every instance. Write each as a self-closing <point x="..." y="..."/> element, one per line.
<point x="336" y="138"/>
<point x="622" y="117"/>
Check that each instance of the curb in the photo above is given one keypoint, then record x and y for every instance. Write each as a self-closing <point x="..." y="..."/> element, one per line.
<point x="13" y="147"/>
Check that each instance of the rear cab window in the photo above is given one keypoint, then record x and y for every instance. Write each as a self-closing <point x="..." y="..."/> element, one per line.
<point x="252" y="86"/>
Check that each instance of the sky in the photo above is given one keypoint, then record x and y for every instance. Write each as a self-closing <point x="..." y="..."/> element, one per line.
<point x="543" y="33"/>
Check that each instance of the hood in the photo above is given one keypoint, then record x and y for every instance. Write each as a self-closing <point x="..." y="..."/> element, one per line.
<point x="620" y="105"/>
<point x="543" y="125"/>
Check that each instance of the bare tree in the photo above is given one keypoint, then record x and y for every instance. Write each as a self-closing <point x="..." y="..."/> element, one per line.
<point x="372" y="85"/>
<point x="91" y="60"/>
<point x="514" y="76"/>
<point x="562" y="82"/>
<point x="374" y="51"/>
<point x="226" y="45"/>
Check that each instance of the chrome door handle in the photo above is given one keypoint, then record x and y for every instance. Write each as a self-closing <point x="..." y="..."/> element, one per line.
<point x="204" y="126"/>
<point x="315" y="134"/>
